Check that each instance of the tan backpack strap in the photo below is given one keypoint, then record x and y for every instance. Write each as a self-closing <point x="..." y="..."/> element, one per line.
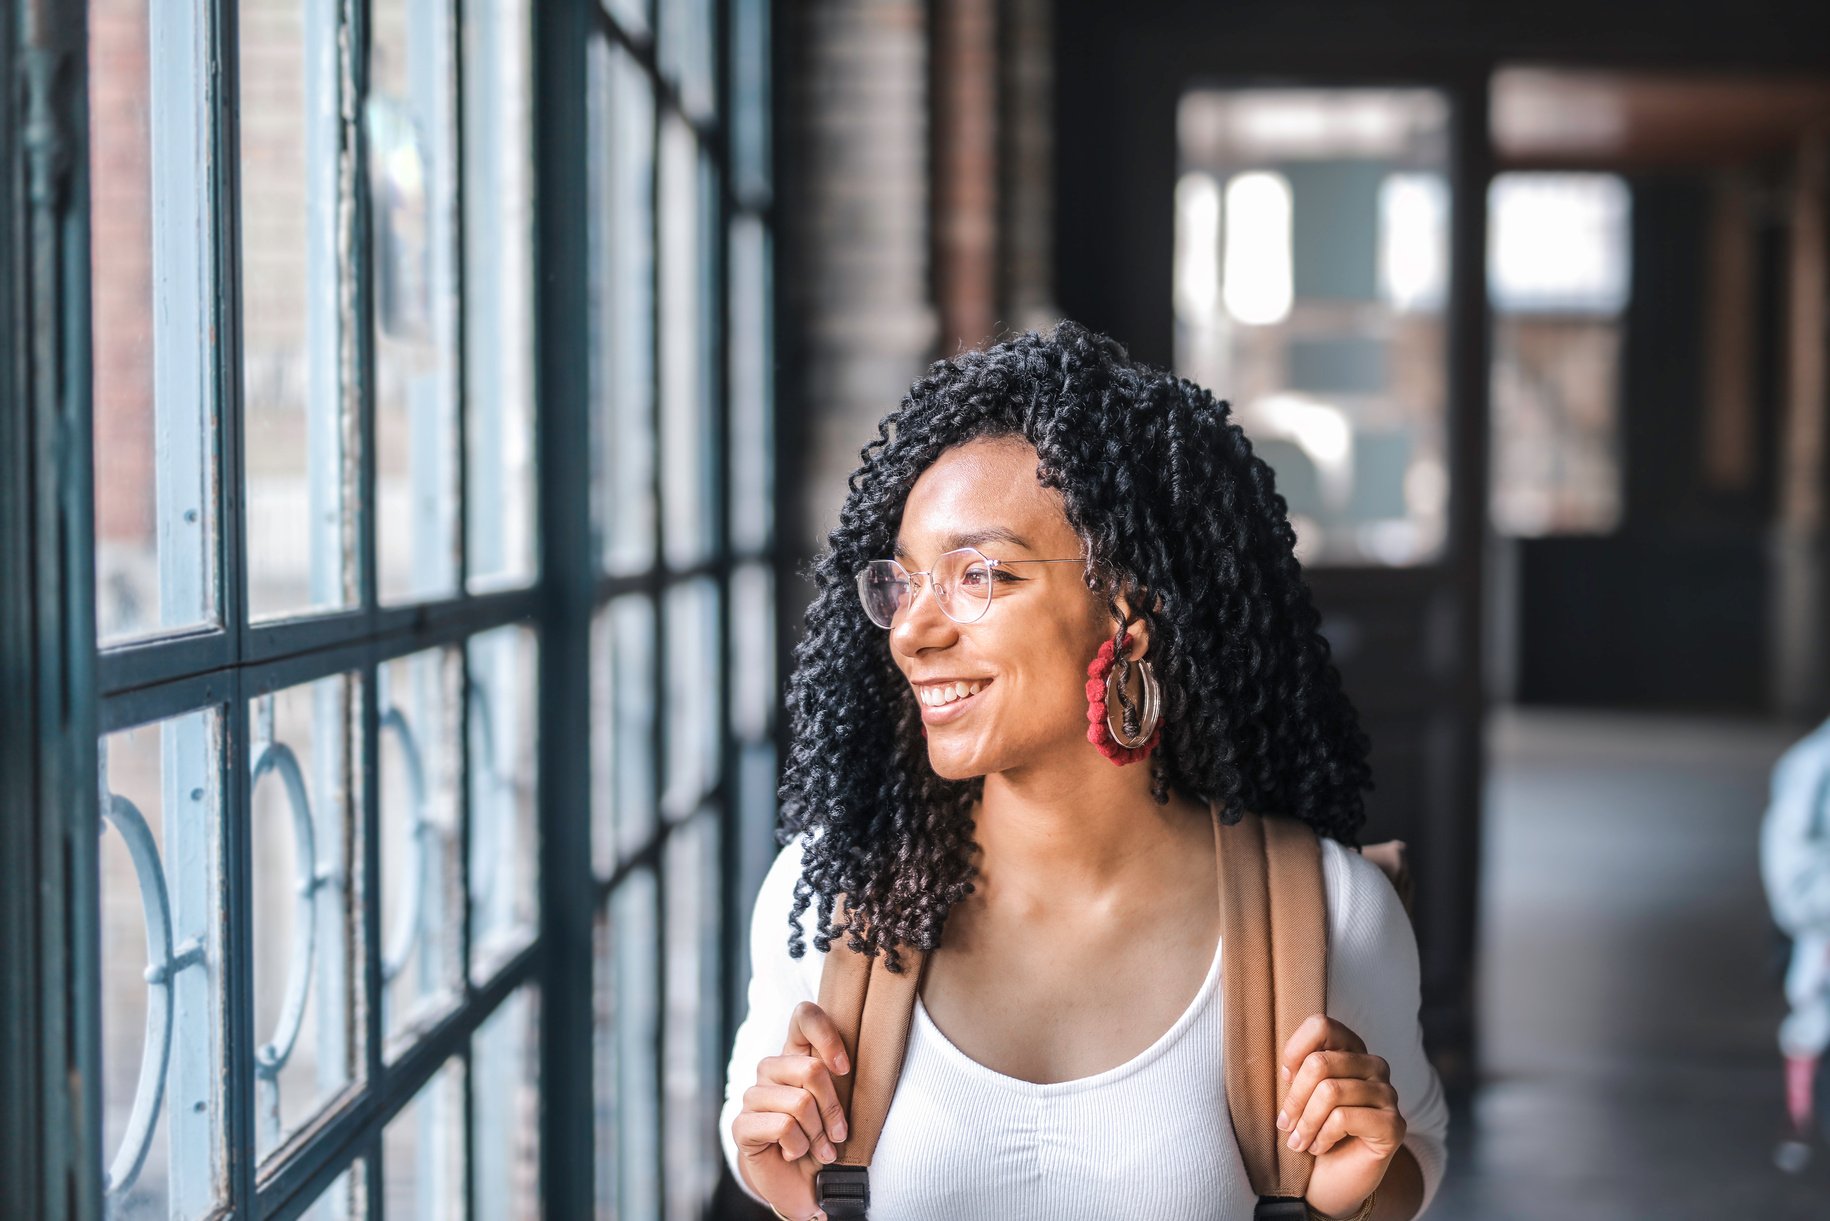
<point x="872" y="1007"/>
<point x="1274" y="954"/>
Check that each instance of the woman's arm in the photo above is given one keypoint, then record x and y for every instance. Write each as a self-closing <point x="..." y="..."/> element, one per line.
<point x="777" y="984"/>
<point x="1374" y="988"/>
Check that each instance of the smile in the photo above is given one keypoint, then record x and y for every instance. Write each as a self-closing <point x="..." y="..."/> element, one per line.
<point x="944" y="702"/>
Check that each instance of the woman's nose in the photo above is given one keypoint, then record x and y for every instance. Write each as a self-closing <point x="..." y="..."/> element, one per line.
<point x="920" y="618"/>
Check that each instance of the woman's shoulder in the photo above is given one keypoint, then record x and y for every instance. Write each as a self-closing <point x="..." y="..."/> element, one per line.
<point x="773" y="916"/>
<point x="1364" y="910"/>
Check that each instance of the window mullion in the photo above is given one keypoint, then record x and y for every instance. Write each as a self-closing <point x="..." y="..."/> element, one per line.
<point x="235" y="867"/>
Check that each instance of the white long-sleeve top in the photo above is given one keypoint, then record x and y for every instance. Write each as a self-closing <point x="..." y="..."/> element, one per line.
<point x="1148" y="1138"/>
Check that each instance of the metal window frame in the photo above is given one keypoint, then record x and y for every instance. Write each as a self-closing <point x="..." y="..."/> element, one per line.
<point x="61" y="695"/>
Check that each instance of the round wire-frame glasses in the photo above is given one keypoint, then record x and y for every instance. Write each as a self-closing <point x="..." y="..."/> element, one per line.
<point x="963" y="581"/>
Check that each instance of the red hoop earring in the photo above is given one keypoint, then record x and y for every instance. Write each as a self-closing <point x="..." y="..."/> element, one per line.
<point x="1099" y="732"/>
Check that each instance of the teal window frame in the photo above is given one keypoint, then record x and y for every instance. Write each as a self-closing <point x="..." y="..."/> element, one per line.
<point x="62" y="694"/>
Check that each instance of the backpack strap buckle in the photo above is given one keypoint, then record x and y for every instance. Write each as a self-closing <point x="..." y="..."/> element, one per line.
<point x="844" y="1192"/>
<point x="1281" y="1208"/>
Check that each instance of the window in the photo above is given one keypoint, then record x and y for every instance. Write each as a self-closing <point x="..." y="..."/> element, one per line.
<point x="1311" y="263"/>
<point x="347" y="536"/>
<point x="1559" y="276"/>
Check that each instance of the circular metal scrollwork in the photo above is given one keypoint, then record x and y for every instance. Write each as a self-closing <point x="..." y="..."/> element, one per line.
<point x="162" y="963"/>
<point x="277" y="758"/>
<point x="410" y="922"/>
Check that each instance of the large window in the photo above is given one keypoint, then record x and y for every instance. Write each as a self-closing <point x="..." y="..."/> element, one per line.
<point x="336" y="728"/>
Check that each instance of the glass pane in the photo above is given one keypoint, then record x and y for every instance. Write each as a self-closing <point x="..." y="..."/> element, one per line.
<point x="752" y="388"/>
<point x="346" y="1199"/>
<point x="422" y="888"/>
<point x="307" y="983"/>
<point x="161" y="1010"/>
<point x="693" y="655"/>
<point x="687" y="51"/>
<point x="502" y="828"/>
<point x="628" y="1075"/>
<point x="422" y="1151"/>
<point x="693" y="1081"/>
<point x="1311" y="270"/>
<point x="633" y="15"/>
<point x="498" y="292"/>
<point x="687" y="336"/>
<point x="1559" y="276"/>
<point x="155" y="457"/>
<point x="506" y="1102"/>
<point x="753" y="694"/>
<point x="623" y="685"/>
<point x="299" y="432"/>
<point x="750" y="85"/>
<point x="412" y="251"/>
<point x="621" y="226"/>
<point x="757" y="780"/>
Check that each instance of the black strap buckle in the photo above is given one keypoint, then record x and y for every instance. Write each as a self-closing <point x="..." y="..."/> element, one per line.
<point x="843" y="1192"/>
<point x="1280" y="1208"/>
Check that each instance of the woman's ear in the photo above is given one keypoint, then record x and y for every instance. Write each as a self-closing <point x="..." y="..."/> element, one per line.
<point x="1137" y="633"/>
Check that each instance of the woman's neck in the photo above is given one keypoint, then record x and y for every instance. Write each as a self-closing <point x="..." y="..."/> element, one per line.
<point x="1083" y="846"/>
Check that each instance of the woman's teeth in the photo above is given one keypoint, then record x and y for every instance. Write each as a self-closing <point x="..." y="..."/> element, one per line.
<point x="937" y="696"/>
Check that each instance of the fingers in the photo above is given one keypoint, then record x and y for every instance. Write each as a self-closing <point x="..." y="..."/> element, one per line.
<point x="1380" y="1129"/>
<point x="1329" y="1098"/>
<point x="812" y="1032"/>
<point x="810" y="1075"/>
<point x="1317" y="1031"/>
<point x="758" y="1131"/>
<point x="798" y="1105"/>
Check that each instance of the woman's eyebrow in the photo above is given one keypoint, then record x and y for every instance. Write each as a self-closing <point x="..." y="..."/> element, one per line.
<point x="973" y="538"/>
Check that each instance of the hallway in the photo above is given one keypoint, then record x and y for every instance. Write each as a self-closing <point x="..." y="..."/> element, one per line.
<point x="1627" y="1014"/>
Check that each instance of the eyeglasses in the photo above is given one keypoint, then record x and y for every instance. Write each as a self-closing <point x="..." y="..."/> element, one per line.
<point x="962" y="581"/>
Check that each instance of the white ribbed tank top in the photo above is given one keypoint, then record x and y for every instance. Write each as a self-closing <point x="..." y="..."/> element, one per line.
<point x="1148" y="1138"/>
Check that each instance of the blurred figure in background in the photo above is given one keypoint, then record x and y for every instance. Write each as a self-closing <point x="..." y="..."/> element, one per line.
<point x="1795" y="865"/>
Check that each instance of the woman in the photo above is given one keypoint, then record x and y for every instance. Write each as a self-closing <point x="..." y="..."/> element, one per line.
<point x="953" y="774"/>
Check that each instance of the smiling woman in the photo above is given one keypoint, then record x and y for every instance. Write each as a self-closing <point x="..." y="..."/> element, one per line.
<point x="1113" y="581"/>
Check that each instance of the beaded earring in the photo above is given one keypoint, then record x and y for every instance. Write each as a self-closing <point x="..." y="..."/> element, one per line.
<point x="1100" y="733"/>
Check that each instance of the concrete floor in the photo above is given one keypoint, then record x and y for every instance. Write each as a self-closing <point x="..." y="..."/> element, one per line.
<point x="1627" y="1006"/>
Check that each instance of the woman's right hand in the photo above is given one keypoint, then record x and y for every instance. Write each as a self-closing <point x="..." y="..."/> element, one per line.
<point x="791" y="1118"/>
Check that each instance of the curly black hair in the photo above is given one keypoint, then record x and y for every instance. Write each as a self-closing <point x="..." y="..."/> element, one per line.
<point x="1169" y="500"/>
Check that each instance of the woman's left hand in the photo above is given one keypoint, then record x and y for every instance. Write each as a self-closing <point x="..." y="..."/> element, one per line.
<point x="1342" y="1108"/>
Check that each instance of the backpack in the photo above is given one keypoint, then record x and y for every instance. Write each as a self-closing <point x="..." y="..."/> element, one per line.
<point x="1275" y="971"/>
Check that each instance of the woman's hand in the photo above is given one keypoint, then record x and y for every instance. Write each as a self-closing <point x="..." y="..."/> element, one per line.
<point x="1342" y="1108"/>
<point x="791" y="1111"/>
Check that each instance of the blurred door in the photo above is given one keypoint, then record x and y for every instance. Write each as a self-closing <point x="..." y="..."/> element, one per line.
<point x="1315" y="285"/>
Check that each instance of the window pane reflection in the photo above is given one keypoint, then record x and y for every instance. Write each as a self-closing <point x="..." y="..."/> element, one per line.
<point x="421" y="884"/>
<point x="623" y="682"/>
<point x="621" y="228"/>
<point x="498" y="292"/>
<point x="506" y="1103"/>
<point x="502" y="829"/>
<point x="691" y="1063"/>
<point x="752" y="489"/>
<point x="155" y="459"/>
<point x="303" y="839"/>
<point x="693" y="660"/>
<point x="688" y="338"/>
<point x="412" y="247"/>
<point x="422" y="1151"/>
<point x="161" y="969"/>
<point x="628" y="1085"/>
<point x="299" y="432"/>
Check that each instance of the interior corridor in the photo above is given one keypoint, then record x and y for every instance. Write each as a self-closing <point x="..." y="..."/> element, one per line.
<point x="1627" y="1009"/>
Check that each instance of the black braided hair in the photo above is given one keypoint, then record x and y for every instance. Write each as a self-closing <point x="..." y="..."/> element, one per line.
<point x="1168" y="499"/>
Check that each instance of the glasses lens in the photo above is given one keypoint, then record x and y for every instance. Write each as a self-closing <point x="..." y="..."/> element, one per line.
<point x="963" y="581"/>
<point x="882" y="587"/>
